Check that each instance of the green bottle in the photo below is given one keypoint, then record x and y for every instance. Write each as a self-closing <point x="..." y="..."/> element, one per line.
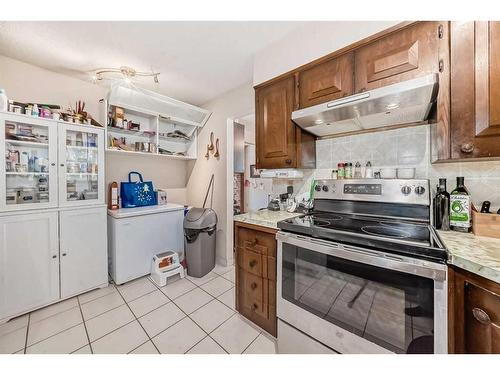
<point x="460" y="208"/>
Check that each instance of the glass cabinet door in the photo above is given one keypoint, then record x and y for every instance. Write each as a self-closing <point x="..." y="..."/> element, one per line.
<point x="30" y="151"/>
<point x="81" y="165"/>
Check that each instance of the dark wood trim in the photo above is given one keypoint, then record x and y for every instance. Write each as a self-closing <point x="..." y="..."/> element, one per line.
<point x="255" y="227"/>
<point x="341" y="51"/>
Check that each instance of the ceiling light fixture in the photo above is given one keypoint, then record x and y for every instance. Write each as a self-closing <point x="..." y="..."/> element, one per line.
<point x="127" y="72"/>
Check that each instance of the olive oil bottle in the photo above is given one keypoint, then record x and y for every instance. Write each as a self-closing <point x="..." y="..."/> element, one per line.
<point x="442" y="206"/>
<point x="460" y="208"/>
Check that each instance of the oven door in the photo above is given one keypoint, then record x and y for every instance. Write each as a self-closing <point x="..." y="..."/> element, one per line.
<point x="357" y="300"/>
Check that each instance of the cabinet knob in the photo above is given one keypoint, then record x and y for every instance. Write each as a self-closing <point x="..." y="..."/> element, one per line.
<point x="253" y="286"/>
<point x="53" y="164"/>
<point x="481" y="316"/>
<point x="254" y="307"/>
<point x="252" y="263"/>
<point x="467" y="148"/>
<point x="54" y="256"/>
<point x="64" y="254"/>
<point x="62" y="164"/>
<point x="288" y="161"/>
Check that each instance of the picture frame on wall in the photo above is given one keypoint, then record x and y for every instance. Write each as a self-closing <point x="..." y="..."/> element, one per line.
<point x="254" y="172"/>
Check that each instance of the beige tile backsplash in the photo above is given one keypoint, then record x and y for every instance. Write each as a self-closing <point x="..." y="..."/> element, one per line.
<point x="402" y="147"/>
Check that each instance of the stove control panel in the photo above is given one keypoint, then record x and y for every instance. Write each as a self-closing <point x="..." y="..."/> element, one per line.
<point x="376" y="190"/>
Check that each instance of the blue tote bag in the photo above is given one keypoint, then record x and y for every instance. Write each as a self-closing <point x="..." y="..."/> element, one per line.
<point x="138" y="193"/>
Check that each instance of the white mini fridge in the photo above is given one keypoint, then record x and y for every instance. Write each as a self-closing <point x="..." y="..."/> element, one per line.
<point x="136" y="234"/>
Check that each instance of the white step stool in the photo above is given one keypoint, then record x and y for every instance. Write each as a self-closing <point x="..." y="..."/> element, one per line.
<point x="165" y="265"/>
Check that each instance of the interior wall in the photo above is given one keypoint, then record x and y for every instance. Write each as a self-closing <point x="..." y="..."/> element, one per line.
<point x="235" y="103"/>
<point x="309" y="42"/>
<point x="29" y="83"/>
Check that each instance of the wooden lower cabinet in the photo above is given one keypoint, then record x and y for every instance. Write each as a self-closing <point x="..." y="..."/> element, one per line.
<point x="474" y="313"/>
<point x="256" y="275"/>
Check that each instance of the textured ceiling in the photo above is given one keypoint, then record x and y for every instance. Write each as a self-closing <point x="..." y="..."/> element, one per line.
<point x="197" y="60"/>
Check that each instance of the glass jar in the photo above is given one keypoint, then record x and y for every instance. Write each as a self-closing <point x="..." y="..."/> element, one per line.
<point x="340" y="171"/>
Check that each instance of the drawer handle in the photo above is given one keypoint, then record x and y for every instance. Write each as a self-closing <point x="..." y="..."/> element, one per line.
<point x="253" y="286"/>
<point x="481" y="315"/>
<point x="252" y="263"/>
<point x="254" y="307"/>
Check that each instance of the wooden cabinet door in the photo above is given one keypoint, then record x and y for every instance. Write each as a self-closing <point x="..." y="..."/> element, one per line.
<point x="475" y="89"/>
<point x="327" y="81"/>
<point x="275" y="131"/>
<point x="406" y="54"/>
<point x="29" y="262"/>
<point x="482" y="320"/>
<point x="83" y="245"/>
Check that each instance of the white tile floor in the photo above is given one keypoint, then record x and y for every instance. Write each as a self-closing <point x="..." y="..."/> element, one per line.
<point x="194" y="316"/>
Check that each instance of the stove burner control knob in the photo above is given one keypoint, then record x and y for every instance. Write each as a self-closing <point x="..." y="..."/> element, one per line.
<point x="325" y="188"/>
<point x="317" y="188"/>
<point x="419" y="190"/>
<point x="406" y="190"/>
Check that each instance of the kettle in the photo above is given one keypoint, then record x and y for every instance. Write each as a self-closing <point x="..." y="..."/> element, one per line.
<point x="273" y="205"/>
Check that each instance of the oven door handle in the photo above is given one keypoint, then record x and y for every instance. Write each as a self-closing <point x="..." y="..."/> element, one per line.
<point x="431" y="270"/>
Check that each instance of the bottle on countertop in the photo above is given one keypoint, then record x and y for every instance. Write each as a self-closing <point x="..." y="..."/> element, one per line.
<point x="113" y="203"/>
<point x="34" y="110"/>
<point x="441" y="205"/>
<point x="368" y="170"/>
<point x="460" y="208"/>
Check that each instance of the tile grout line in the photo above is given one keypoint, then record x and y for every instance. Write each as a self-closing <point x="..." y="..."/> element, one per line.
<point x="188" y="316"/>
<point x="251" y="343"/>
<point x="137" y="320"/>
<point x="84" y="326"/>
<point x="55" y="334"/>
<point x="27" y="332"/>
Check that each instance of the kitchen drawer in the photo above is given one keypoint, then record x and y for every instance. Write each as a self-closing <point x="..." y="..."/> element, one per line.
<point x="254" y="286"/>
<point x="252" y="262"/>
<point x="256" y="241"/>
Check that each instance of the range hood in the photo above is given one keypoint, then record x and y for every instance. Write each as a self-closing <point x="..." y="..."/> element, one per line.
<point x="401" y="103"/>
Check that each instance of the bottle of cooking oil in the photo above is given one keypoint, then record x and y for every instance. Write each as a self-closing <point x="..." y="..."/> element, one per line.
<point x="460" y="208"/>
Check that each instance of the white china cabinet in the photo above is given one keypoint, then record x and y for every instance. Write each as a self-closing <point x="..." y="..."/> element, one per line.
<point x="53" y="236"/>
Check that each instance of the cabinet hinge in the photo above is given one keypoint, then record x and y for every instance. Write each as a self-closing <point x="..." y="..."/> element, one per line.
<point x="440" y="31"/>
<point x="441" y="66"/>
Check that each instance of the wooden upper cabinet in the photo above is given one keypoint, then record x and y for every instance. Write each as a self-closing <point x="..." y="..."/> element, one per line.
<point x="406" y="54"/>
<point x="330" y="80"/>
<point x="475" y="89"/>
<point x="275" y="131"/>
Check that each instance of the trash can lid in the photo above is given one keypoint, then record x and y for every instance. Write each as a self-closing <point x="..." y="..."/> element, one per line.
<point x="200" y="218"/>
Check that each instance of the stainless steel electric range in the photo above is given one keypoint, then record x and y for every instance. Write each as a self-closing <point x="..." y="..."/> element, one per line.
<point x="364" y="272"/>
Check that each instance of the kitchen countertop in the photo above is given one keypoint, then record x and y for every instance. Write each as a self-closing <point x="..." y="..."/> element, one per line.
<point x="480" y="255"/>
<point x="265" y="218"/>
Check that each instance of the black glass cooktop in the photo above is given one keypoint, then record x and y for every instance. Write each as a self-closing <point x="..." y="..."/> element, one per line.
<point x="398" y="236"/>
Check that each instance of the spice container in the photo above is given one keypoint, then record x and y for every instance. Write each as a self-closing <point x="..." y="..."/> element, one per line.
<point x="357" y="170"/>
<point x="334" y="174"/>
<point x="348" y="170"/>
<point x="340" y="171"/>
<point x="368" y="170"/>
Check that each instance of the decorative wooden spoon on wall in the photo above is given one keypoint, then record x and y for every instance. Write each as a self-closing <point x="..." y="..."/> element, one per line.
<point x="207" y="155"/>
<point x="211" y="144"/>
<point x="217" y="148"/>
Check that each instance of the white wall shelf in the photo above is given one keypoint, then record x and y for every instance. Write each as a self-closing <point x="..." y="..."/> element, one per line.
<point x="130" y="153"/>
<point x="158" y="116"/>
